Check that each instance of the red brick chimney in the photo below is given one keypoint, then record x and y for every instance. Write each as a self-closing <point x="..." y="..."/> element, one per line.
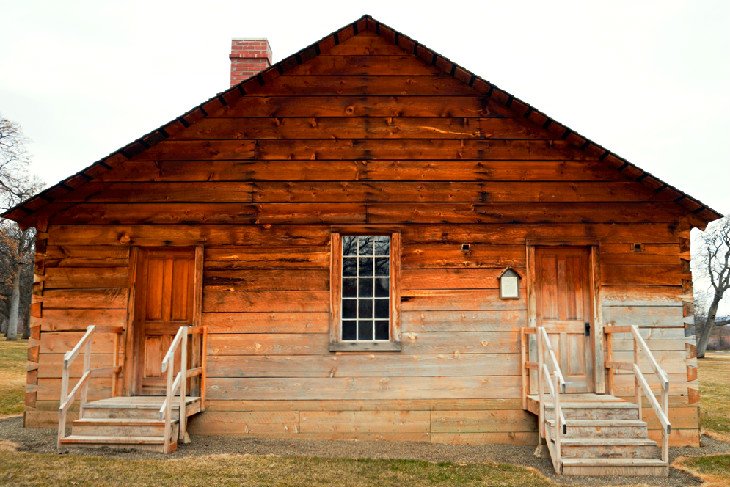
<point x="248" y="57"/>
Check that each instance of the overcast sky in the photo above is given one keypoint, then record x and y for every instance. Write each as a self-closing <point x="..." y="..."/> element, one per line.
<point x="650" y="80"/>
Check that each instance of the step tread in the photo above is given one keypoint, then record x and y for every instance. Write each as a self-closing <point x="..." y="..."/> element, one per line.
<point x="601" y="422"/>
<point x="121" y="422"/>
<point x="113" y="440"/>
<point x="613" y="462"/>
<point x="137" y="402"/>
<point x="607" y="441"/>
<point x="599" y="405"/>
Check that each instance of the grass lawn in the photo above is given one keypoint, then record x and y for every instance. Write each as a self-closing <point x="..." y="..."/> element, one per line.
<point x="250" y="470"/>
<point x="714" y="372"/>
<point x="13" y="356"/>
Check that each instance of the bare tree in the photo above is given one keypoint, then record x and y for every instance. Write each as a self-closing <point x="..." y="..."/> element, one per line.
<point x="713" y="263"/>
<point x="16" y="244"/>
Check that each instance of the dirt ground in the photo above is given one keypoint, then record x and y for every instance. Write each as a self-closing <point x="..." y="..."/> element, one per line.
<point x="43" y="441"/>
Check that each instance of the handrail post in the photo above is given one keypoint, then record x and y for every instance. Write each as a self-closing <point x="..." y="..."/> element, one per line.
<point x="637" y="392"/>
<point x="115" y="364"/>
<point x="62" y="400"/>
<point x="182" y="432"/>
<point x="558" y="415"/>
<point x="665" y="433"/>
<point x="609" y="359"/>
<point x="168" y="407"/>
<point x="87" y="369"/>
<point x="541" y="408"/>
<point x="523" y="368"/>
<point x="203" y="365"/>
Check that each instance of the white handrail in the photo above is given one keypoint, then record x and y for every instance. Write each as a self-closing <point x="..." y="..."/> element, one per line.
<point x="173" y="385"/>
<point x="640" y="382"/>
<point x="553" y="359"/>
<point x="662" y="412"/>
<point x="82" y="386"/>
<point x="556" y="386"/>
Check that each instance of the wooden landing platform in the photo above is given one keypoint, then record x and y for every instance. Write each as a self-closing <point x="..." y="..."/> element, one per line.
<point x="192" y="404"/>
<point x="582" y="400"/>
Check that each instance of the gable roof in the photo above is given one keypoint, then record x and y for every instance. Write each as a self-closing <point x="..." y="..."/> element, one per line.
<point x="27" y="212"/>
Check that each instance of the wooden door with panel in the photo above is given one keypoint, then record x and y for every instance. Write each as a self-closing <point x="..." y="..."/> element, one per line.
<point x="164" y="295"/>
<point x="564" y="306"/>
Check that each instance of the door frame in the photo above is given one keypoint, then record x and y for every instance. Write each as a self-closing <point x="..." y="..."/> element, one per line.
<point x="129" y="385"/>
<point x="599" y="369"/>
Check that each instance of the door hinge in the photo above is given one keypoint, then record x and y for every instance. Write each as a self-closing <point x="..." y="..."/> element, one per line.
<point x="587" y="331"/>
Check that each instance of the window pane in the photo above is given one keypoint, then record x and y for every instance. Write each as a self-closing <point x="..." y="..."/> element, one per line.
<point x="381" y="287"/>
<point x="349" y="330"/>
<point x="382" y="329"/>
<point x="382" y="267"/>
<point x="366" y="245"/>
<point x="382" y="308"/>
<point x="365" y="303"/>
<point x="349" y="308"/>
<point x="364" y="330"/>
<point x="365" y="308"/>
<point x="382" y="245"/>
<point x="365" y="266"/>
<point x="365" y="286"/>
<point x="349" y="245"/>
<point x="349" y="266"/>
<point x="349" y="287"/>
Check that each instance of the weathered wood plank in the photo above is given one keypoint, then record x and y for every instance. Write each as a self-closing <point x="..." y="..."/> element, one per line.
<point x="284" y="258"/>
<point x="369" y="170"/>
<point x="158" y="235"/>
<point x="361" y="405"/>
<point x="62" y="342"/>
<point x="85" y="277"/>
<point x="79" y="319"/>
<point x="438" y="84"/>
<point x="488" y="387"/>
<point x="112" y="298"/>
<point x="392" y="422"/>
<point x="361" y="128"/>
<point x="280" y="322"/>
<point x="267" y="344"/>
<point x="362" y="365"/>
<point x="644" y="316"/>
<point x="265" y="301"/>
<point x="368" y="149"/>
<point x="357" y="106"/>
<point x="457" y="321"/>
<point x="268" y="279"/>
<point x="330" y="65"/>
<point x="482" y="421"/>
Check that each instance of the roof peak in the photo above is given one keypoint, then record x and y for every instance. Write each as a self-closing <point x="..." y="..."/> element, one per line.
<point x="699" y="213"/>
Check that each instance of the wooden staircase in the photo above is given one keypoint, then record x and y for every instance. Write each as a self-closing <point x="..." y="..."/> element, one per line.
<point x="128" y="423"/>
<point x="596" y="434"/>
<point x="134" y="422"/>
<point x="603" y="435"/>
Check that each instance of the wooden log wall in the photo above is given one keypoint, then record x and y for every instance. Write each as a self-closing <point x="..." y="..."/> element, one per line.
<point x="362" y="135"/>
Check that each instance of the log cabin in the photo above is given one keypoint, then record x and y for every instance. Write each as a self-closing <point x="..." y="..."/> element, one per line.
<point x="366" y="241"/>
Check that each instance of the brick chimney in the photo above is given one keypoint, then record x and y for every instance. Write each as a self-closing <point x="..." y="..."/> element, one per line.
<point x="248" y="57"/>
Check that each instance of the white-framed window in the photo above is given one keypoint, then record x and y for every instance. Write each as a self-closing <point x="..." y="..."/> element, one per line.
<point x="364" y="291"/>
<point x="365" y="298"/>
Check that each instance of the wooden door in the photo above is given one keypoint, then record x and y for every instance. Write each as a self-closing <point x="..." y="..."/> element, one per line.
<point x="164" y="296"/>
<point x="564" y="306"/>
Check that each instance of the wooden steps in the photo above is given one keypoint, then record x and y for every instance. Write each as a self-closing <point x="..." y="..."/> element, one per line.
<point x="603" y="436"/>
<point x="127" y="423"/>
<point x="630" y="467"/>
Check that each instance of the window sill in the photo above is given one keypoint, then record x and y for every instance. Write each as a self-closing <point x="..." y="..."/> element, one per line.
<point x="365" y="347"/>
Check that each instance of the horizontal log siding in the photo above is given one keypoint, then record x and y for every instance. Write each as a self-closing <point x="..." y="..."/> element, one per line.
<point x="388" y="141"/>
